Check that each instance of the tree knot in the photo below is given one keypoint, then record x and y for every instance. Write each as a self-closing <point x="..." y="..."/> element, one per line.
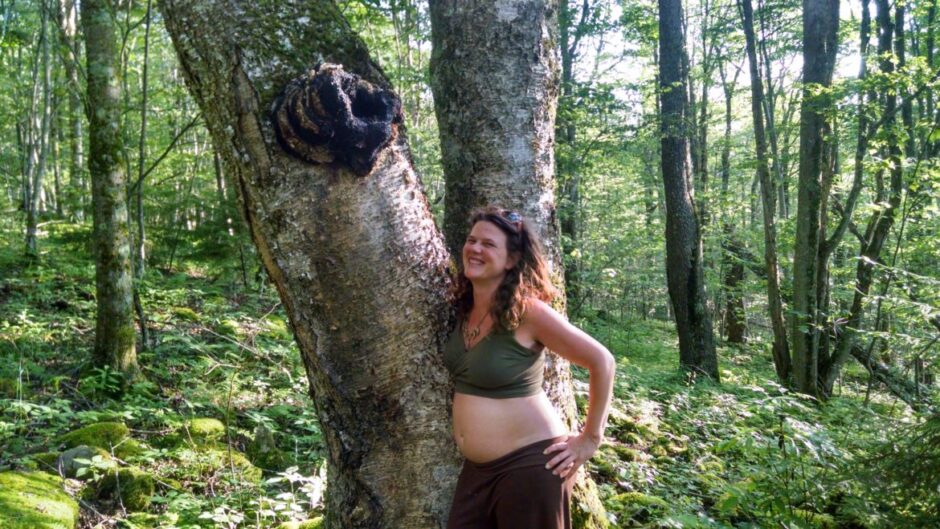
<point x="331" y="116"/>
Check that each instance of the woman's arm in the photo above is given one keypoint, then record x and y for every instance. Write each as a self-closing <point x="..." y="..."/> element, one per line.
<point x="556" y="333"/>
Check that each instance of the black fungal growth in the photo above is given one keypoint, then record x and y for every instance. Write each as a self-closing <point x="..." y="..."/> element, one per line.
<point x="331" y="116"/>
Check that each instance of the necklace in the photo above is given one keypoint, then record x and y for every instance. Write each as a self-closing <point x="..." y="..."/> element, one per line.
<point x="471" y="334"/>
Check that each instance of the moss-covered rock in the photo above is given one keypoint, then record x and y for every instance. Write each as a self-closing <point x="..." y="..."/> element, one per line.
<point x="185" y="313"/>
<point x="313" y="523"/>
<point x="45" y="461"/>
<point x="625" y="453"/>
<point x="130" y="448"/>
<point x="604" y="463"/>
<point x="203" y="463"/>
<point x="143" y="520"/>
<point x="263" y="452"/>
<point x="104" y="435"/>
<point x="75" y="462"/>
<point x="226" y="327"/>
<point x="133" y="487"/>
<point x="203" y="430"/>
<point x="637" y="506"/>
<point x="35" y="500"/>
<point x="233" y="460"/>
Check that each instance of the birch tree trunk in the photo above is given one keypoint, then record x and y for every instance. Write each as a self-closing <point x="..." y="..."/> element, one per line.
<point x="68" y="22"/>
<point x="353" y="249"/>
<point x="684" y="270"/>
<point x="114" y="331"/>
<point x="495" y="76"/>
<point x="38" y="135"/>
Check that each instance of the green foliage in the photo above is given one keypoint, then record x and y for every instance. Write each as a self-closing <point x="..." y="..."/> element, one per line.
<point x="904" y="472"/>
<point x="746" y="454"/>
<point x="161" y="425"/>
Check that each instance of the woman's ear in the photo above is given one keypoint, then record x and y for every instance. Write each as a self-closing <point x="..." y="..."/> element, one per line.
<point x="512" y="261"/>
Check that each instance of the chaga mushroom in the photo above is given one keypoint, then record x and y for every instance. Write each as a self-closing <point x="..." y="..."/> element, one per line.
<point x="332" y="116"/>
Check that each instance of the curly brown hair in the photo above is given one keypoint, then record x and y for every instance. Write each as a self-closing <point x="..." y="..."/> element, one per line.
<point x="529" y="278"/>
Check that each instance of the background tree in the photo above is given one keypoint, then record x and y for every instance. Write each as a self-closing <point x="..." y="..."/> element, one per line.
<point x="684" y="267"/>
<point x="114" y="332"/>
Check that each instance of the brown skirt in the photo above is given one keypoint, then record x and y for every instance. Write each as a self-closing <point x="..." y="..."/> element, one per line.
<point x="515" y="491"/>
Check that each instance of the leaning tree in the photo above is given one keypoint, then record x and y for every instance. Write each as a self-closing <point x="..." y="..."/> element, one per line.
<point x="313" y="139"/>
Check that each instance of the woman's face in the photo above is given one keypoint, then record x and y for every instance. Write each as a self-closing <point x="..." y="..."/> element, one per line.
<point x="484" y="252"/>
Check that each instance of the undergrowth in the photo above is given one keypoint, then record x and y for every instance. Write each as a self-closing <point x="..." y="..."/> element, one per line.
<point x="218" y="351"/>
<point x="223" y="372"/>
<point x="749" y="453"/>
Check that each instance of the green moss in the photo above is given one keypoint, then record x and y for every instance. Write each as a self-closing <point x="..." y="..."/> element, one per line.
<point x="313" y="523"/>
<point x="206" y="462"/>
<point x="263" y="452"/>
<point x="35" y="500"/>
<point x="625" y="453"/>
<point x="185" y="313"/>
<point x="604" y="463"/>
<point x="227" y="328"/>
<point x="204" y="430"/>
<point x="630" y="438"/>
<point x="236" y="460"/>
<point x="45" y="460"/>
<point x="587" y="511"/>
<point x="637" y="505"/>
<point x="132" y="486"/>
<point x="130" y="448"/>
<point x="143" y="520"/>
<point x="644" y="500"/>
<point x="710" y="465"/>
<point x="277" y="328"/>
<point x="103" y="435"/>
<point x="815" y="519"/>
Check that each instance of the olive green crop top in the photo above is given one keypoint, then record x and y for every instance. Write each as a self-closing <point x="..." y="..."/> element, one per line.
<point x="497" y="366"/>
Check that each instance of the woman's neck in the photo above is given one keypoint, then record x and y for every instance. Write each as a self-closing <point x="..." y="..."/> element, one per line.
<point x="483" y="294"/>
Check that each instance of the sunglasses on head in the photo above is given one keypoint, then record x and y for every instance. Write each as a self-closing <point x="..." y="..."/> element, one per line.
<point x="511" y="216"/>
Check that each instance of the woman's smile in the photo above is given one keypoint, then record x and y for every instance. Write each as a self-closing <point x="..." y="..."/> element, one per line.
<point x="485" y="248"/>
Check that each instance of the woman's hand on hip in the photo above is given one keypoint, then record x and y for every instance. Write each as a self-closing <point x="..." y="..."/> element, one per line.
<point x="571" y="454"/>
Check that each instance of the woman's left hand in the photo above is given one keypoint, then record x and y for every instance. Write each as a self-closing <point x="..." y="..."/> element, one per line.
<point x="572" y="453"/>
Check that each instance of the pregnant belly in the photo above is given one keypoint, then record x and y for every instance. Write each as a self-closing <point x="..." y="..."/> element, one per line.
<point x="486" y="429"/>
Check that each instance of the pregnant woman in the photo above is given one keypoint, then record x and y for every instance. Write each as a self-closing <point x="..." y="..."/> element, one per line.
<point x="520" y="459"/>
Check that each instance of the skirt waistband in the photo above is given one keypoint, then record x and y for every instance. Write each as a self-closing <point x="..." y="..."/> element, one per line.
<point x="519" y="457"/>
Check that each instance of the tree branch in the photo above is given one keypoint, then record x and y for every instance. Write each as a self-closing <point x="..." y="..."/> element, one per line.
<point x="166" y="151"/>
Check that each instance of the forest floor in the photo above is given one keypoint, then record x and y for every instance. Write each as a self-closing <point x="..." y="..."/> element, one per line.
<point x="222" y="394"/>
